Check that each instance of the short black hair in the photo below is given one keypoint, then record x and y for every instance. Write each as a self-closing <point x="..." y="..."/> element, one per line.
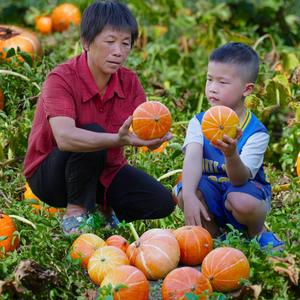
<point x="100" y="14"/>
<point x="241" y="55"/>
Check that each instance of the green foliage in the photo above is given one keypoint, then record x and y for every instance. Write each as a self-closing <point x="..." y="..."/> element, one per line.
<point x="171" y="62"/>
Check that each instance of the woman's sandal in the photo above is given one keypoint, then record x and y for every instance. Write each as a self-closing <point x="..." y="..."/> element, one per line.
<point x="73" y="224"/>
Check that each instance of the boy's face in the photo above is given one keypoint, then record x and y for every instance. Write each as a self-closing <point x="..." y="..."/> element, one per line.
<point x="225" y="85"/>
<point x="109" y="50"/>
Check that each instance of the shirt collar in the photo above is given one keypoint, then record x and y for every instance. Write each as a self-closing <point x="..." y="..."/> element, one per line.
<point x="91" y="89"/>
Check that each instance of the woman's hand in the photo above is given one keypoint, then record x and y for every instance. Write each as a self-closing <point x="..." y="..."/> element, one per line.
<point x="127" y="137"/>
<point x="193" y="210"/>
<point x="228" y="145"/>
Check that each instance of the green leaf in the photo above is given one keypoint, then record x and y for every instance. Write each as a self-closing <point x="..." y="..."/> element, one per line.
<point x="10" y="52"/>
<point x="290" y="60"/>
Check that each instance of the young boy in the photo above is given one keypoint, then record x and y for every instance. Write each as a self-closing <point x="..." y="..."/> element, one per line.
<point x="225" y="183"/>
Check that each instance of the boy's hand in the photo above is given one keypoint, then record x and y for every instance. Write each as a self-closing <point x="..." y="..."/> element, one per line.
<point x="228" y="145"/>
<point x="126" y="137"/>
<point x="193" y="209"/>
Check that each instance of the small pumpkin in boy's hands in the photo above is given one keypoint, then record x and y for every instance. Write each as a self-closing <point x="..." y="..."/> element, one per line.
<point x="218" y="121"/>
<point x="151" y="120"/>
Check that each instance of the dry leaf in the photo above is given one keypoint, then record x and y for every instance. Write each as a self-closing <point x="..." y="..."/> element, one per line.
<point x="286" y="266"/>
<point x="10" y="287"/>
<point x="91" y="294"/>
<point x="252" y="291"/>
<point x="34" y="277"/>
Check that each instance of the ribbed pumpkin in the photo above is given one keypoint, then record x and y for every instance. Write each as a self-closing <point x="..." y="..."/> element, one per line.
<point x="14" y="37"/>
<point x="2" y="99"/>
<point x="137" y="286"/>
<point x="104" y="260"/>
<point x="84" y="246"/>
<point x="63" y="15"/>
<point x="298" y="164"/>
<point x="151" y="120"/>
<point x="195" y="243"/>
<point x="219" y="120"/>
<point x="8" y="239"/>
<point x="36" y="204"/>
<point x="185" y="280"/>
<point x="43" y="24"/>
<point x="225" y="267"/>
<point x="156" y="253"/>
<point x="118" y="241"/>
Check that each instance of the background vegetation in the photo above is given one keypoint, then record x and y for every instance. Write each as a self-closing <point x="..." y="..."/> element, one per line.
<point x="176" y="37"/>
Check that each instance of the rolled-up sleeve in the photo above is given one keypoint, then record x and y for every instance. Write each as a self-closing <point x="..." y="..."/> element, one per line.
<point x="193" y="134"/>
<point x="252" y="154"/>
<point x="57" y="97"/>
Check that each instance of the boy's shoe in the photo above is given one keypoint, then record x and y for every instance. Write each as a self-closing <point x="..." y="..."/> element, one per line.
<point x="269" y="238"/>
<point x="73" y="224"/>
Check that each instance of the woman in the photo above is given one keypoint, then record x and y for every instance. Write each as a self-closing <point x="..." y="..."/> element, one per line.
<point x="75" y="150"/>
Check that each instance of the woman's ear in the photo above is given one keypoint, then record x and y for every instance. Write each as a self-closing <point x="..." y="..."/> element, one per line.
<point x="249" y="87"/>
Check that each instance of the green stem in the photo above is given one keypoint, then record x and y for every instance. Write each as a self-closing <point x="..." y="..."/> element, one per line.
<point x="8" y="72"/>
<point x="22" y="220"/>
<point x="133" y="231"/>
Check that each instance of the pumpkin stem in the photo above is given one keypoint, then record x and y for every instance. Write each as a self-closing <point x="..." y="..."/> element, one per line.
<point x="133" y="231"/>
<point x="7" y="33"/>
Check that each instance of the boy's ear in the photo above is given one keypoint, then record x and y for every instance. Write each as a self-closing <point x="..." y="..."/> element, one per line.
<point x="85" y="45"/>
<point x="249" y="87"/>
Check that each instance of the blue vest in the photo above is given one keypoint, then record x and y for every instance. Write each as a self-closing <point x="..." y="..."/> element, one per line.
<point x="213" y="164"/>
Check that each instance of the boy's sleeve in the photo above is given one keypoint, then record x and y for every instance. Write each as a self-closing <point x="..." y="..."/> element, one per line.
<point x="252" y="154"/>
<point x="193" y="134"/>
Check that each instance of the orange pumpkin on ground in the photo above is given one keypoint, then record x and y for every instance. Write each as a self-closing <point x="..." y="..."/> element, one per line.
<point x="14" y="37"/>
<point x="2" y="99"/>
<point x="155" y="253"/>
<point x="104" y="260"/>
<point x="137" y="286"/>
<point x="160" y="149"/>
<point x="151" y="120"/>
<point x="37" y="204"/>
<point x="8" y="239"/>
<point x="185" y="280"/>
<point x="63" y="15"/>
<point x="118" y="241"/>
<point x="84" y="246"/>
<point x="195" y="243"/>
<point x="219" y="120"/>
<point x="225" y="267"/>
<point x="44" y="24"/>
<point x="298" y="164"/>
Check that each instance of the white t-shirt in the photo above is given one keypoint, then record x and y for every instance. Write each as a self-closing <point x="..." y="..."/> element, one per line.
<point x="253" y="151"/>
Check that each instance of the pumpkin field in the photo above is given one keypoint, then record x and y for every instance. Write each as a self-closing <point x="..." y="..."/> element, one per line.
<point x="176" y="37"/>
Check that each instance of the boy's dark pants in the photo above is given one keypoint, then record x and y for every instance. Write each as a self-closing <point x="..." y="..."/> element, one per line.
<point x="73" y="178"/>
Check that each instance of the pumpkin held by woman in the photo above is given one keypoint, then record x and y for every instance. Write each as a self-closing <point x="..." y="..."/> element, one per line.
<point x="151" y="120"/>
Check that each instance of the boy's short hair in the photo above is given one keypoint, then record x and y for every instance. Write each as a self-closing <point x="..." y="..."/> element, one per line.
<point x="107" y="13"/>
<point x="241" y="55"/>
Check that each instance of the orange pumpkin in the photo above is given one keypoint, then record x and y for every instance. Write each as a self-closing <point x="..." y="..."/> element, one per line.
<point x="225" y="267"/>
<point x="104" y="260"/>
<point x="2" y="99"/>
<point x="9" y="241"/>
<point x="155" y="253"/>
<point x="84" y="246"/>
<point x="137" y="286"/>
<point x="36" y="204"/>
<point x="298" y="164"/>
<point x="151" y="120"/>
<point x="44" y="24"/>
<point x="118" y="241"/>
<point x="185" y="280"/>
<point x="160" y="149"/>
<point x="63" y="15"/>
<point x="195" y="243"/>
<point x="219" y="120"/>
<point x="14" y="37"/>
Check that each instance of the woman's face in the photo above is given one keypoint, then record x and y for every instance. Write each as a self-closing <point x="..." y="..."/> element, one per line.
<point x="107" y="53"/>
